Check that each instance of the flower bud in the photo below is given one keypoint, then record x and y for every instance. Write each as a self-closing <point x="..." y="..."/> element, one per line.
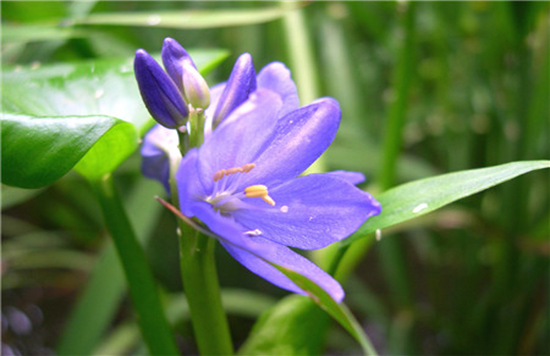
<point x="195" y="89"/>
<point x="240" y="84"/>
<point x="175" y="58"/>
<point x="160" y="94"/>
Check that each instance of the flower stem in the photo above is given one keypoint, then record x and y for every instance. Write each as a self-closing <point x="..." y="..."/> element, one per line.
<point x="156" y="331"/>
<point x="200" y="282"/>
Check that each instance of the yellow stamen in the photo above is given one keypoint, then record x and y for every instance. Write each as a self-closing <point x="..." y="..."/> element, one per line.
<point x="219" y="175"/>
<point x="259" y="191"/>
<point x="268" y="200"/>
<point x="227" y="172"/>
<point x="255" y="191"/>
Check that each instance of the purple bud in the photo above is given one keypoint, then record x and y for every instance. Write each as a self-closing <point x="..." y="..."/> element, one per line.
<point x="161" y="96"/>
<point x="175" y="58"/>
<point x="241" y="83"/>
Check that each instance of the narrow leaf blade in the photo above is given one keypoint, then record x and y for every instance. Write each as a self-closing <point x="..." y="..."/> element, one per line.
<point x="417" y="198"/>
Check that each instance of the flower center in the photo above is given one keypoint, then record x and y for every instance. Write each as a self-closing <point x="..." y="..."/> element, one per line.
<point x="226" y="200"/>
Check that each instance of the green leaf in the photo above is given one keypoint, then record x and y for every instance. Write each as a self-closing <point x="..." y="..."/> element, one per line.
<point x="417" y="198"/>
<point x="109" y="152"/>
<point x="294" y="326"/>
<point x="338" y="311"/>
<point x="61" y="114"/>
<point x="36" y="151"/>
<point x="191" y="19"/>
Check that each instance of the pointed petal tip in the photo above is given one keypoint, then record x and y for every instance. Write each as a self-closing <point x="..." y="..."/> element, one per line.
<point x="173" y="50"/>
<point x="244" y="58"/>
<point x="142" y="57"/>
<point x="140" y="52"/>
<point x="327" y="101"/>
<point x="169" y="41"/>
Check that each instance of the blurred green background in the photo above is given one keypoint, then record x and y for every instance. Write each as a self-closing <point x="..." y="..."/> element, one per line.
<point x="464" y="84"/>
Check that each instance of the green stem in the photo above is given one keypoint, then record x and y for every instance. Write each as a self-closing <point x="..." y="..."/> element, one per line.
<point x="156" y="331"/>
<point x="200" y="282"/>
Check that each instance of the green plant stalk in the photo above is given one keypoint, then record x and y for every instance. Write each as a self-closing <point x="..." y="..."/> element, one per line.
<point x="200" y="283"/>
<point x="156" y="331"/>
<point x="390" y="248"/>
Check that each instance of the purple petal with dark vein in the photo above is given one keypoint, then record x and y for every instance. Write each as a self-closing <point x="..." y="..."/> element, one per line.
<point x="240" y="84"/>
<point x="161" y="96"/>
<point x="254" y="252"/>
<point x="311" y="212"/>
<point x="173" y="57"/>
<point x="301" y="137"/>
<point x="276" y="77"/>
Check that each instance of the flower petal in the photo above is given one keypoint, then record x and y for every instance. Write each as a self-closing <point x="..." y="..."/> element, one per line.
<point x="262" y="250"/>
<point x="240" y="137"/>
<point x="240" y="84"/>
<point x="311" y="212"/>
<point x="190" y="189"/>
<point x="174" y="57"/>
<point x="350" y="177"/>
<point x="276" y="77"/>
<point x="254" y="252"/>
<point x="161" y="96"/>
<point x="159" y="144"/>
<point x="301" y="137"/>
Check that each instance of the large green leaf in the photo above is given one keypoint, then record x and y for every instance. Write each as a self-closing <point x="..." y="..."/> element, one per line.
<point x="88" y="113"/>
<point x="36" y="151"/>
<point x="417" y="198"/>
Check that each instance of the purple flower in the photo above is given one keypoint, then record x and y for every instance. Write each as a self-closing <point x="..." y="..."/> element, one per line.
<point x="243" y="184"/>
<point x="224" y="98"/>
<point x="243" y="181"/>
